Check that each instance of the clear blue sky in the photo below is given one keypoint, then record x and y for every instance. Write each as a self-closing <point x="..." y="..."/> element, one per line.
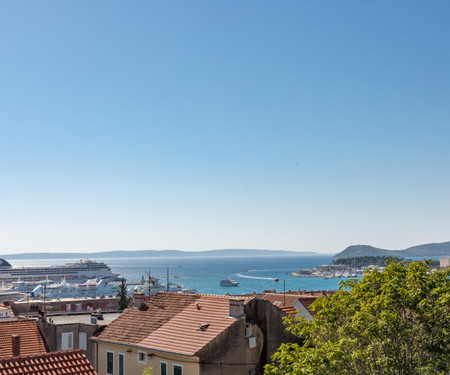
<point x="194" y="125"/>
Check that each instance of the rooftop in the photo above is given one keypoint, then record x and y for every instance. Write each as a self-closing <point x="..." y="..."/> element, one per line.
<point x="82" y="318"/>
<point x="72" y="362"/>
<point x="285" y="301"/>
<point x="172" y="322"/>
<point x="31" y="341"/>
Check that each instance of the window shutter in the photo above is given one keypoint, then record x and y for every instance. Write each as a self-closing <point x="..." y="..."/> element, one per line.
<point x="83" y="341"/>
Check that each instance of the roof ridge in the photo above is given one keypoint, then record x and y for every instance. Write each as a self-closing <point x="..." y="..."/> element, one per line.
<point x="205" y="294"/>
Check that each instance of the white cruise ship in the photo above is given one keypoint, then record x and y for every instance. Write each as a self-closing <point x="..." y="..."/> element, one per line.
<point x="81" y="270"/>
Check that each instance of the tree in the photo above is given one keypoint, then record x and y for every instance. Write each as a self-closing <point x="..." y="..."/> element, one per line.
<point x="147" y="371"/>
<point x="395" y="321"/>
<point x="124" y="300"/>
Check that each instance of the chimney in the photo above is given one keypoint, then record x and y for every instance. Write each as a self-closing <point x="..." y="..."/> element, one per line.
<point x="236" y="307"/>
<point x="15" y="345"/>
<point x="139" y="299"/>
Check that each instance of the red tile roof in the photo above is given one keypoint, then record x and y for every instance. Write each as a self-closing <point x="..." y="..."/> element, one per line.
<point x="288" y="309"/>
<point x="31" y="341"/>
<point x="307" y="301"/>
<point x="71" y="362"/>
<point x="134" y="324"/>
<point x="171" y="323"/>
<point x="279" y="299"/>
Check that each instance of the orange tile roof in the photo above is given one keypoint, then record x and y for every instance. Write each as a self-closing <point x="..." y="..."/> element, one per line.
<point x="71" y="362"/>
<point x="288" y="309"/>
<point x="31" y="341"/>
<point x="307" y="301"/>
<point x="290" y="299"/>
<point x="173" y="323"/>
<point x="279" y="299"/>
<point x="134" y="324"/>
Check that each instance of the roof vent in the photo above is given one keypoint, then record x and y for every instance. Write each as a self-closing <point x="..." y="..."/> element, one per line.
<point x="203" y="327"/>
<point x="197" y="305"/>
<point x="277" y="303"/>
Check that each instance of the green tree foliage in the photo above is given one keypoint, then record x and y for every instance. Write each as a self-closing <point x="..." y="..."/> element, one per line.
<point x="396" y="321"/>
<point x="364" y="261"/>
<point x="147" y="371"/>
<point x="124" y="300"/>
<point x="381" y="261"/>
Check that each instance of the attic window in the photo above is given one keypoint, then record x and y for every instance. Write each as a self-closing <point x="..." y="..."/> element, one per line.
<point x="277" y="303"/>
<point x="142" y="357"/>
<point x="203" y="327"/>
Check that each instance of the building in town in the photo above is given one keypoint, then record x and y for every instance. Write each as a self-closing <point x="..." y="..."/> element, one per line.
<point x="184" y="334"/>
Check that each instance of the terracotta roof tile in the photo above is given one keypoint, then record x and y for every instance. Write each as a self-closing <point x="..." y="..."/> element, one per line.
<point x="182" y="333"/>
<point x="278" y="299"/>
<point x="307" y="301"/>
<point x="31" y="341"/>
<point x="134" y="324"/>
<point x="288" y="309"/>
<point x="171" y="322"/>
<point x="72" y="362"/>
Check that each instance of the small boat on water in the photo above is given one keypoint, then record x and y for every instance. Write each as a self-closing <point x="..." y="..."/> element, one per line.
<point x="228" y="282"/>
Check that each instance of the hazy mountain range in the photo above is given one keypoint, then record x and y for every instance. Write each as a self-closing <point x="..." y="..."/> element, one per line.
<point x="161" y="253"/>
<point x="426" y="250"/>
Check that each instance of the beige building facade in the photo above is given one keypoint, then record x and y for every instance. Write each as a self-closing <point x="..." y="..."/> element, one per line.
<point x="116" y="359"/>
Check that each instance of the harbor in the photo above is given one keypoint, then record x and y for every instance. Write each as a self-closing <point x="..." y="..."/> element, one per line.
<point x="203" y="274"/>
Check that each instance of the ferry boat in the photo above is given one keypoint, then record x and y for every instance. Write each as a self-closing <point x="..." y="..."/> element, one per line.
<point x="82" y="270"/>
<point x="228" y="282"/>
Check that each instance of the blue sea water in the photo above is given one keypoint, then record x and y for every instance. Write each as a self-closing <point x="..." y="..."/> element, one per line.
<point x="205" y="273"/>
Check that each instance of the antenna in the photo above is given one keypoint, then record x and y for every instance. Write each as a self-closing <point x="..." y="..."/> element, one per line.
<point x="149" y="274"/>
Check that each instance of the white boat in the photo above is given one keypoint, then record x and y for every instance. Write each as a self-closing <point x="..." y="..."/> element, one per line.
<point x="67" y="290"/>
<point x="152" y="286"/>
<point x="228" y="282"/>
<point x="78" y="271"/>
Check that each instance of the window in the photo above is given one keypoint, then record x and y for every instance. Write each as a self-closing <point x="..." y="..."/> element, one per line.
<point x="142" y="357"/>
<point x="66" y="340"/>
<point x="177" y="370"/>
<point x="110" y="362"/>
<point x="121" y="360"/>
<point x="163" y="368"/>
<point x="82" y="341"/>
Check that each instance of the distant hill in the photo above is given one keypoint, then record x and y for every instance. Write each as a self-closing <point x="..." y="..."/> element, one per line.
<point x="428" y="250"/>
<point x="162" y="253"/>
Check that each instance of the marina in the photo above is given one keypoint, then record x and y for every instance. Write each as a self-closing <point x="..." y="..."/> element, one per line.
<point x="203" y="274"/>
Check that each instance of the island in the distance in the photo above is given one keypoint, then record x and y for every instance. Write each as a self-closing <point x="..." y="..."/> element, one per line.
<point x="427" y="250"/>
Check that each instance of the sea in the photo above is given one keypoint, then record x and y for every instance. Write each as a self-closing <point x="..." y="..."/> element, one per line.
<point x="254" y="274"/>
